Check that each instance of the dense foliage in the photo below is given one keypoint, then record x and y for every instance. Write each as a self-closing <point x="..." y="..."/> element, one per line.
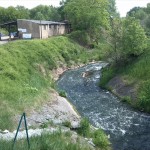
<point x="142" y="14"/>
<point x="87" y="16"/>
<point x="136" y="74"/>
<point x="134" y="39"/>
<point x="40" y="12"/>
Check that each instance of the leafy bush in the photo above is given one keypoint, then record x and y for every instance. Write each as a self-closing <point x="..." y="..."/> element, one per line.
<point x="84" y="129"/>
<point x="98" y="136"/>
<point x="81" y="37"/>
<point x="144" y="96"/>
<point x="107" y="74"/>
<point x="62" y="93"/>
<point x="134" y="38"/>
<point x="100" y="139"/>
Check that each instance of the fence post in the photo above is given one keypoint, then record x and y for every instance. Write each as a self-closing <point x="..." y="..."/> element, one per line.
<point x="23" y="115"/>
<point x="25" y="123"/>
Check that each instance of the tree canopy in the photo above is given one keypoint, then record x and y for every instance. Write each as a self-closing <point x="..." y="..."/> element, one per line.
<point x="142" y="14"/>
<point x="40" y="12"/>
<point x="86" y="15"/>
<point x="134" y="38"/>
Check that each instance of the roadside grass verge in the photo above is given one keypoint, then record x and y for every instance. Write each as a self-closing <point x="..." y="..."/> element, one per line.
<point x="137" y="71"/>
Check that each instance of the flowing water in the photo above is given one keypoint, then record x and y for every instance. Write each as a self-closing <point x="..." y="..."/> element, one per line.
<point x="128" y="129"/>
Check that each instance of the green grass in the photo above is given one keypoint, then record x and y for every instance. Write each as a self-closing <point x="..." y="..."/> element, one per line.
<point x="25" y="71"/>
<point x="55" y="141"/>
<point x="138" y="72"/>
<point x="25" y="82"/>
<point x="99" y="137"/>
<point x="62" y="140"/>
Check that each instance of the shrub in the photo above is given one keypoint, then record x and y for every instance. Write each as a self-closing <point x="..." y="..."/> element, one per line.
<point x="67" y="124"/>
<point x="100" y="139"/>
<point x="84" y="129"/>
<point x="62" y="94"/>
<point x="81" y="37"/>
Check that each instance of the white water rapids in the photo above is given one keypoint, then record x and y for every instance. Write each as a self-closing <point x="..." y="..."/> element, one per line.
<point x="128" y="129"/>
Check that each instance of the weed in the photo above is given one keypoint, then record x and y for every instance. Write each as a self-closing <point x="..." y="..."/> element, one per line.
<point x="62" y="93"/>
<point x="67" y="124"/>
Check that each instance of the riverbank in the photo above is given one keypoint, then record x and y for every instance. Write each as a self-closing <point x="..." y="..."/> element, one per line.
<point x="131" y="81"/>
<point x="26" y="70"/>
<point x="56" y="110"/>
<point x="104" y="110"/>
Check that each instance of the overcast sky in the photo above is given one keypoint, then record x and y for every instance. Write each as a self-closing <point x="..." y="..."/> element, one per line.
<point x="123" y="6"/>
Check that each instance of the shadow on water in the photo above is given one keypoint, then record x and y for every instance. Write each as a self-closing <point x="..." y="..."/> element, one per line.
<point x="128" y="129"/>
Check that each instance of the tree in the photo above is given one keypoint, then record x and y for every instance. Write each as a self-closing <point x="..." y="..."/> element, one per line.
<point x="116" y="37"/>
<point x="39" y="16"/>
<point x="134" y="38"/>
<point x="23" y="13"/>
<point x="87" y="15"/>
<point x="2" y="15"/>
<point x="13" y="13"/>
<point x="112" y="8"/>
<point x="45" y="13"/>
<point x="137" y="12"/>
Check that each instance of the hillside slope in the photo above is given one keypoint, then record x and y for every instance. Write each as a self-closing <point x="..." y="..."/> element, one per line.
<point x="25" y="72"/>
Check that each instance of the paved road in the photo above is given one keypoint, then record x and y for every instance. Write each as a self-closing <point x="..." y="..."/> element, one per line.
<point x="3" y="42"/>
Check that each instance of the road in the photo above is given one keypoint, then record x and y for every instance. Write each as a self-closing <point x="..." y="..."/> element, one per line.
<point x="3" y="42"/>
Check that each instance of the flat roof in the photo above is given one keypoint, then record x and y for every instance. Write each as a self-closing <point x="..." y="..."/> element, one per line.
<point x="43" y="22"/>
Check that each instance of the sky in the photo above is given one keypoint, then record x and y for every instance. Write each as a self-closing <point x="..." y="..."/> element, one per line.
<point x="123" y="6"/>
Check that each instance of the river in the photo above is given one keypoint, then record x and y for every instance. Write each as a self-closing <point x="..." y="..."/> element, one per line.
<point x="128" y="129"/>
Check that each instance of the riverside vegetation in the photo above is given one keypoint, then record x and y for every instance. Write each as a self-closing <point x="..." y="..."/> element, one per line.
<point x="26" y="66"/>
<point x="134" y="71"/>
<point x="26" y="77"/>
<point x="64" y="141"/>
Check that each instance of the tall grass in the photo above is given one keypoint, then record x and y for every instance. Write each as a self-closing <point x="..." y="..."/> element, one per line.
<point x="55" y="141"/>
<point x="25" y="71"/>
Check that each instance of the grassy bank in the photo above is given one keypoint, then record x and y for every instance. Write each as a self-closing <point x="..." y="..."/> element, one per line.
<point x="25" y="72"/>
<point x="55" y="141"/>
<point x="136" y="73"/>
<point x="64" y="140"/>
<point x="25" y="82"/>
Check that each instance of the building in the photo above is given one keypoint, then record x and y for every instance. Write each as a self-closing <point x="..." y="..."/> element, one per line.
<point x="38" y="28"/>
